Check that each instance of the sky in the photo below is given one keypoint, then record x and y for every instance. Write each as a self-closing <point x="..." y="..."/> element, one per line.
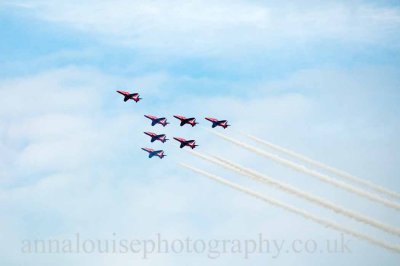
<point x="319" y="77"/>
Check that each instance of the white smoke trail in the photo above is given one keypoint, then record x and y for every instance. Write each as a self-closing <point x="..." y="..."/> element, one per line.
<point x="298" y="211"/>
<point x="322" y="177"/>
<point x="300" y="193"/>
<point x="331" y="169"/>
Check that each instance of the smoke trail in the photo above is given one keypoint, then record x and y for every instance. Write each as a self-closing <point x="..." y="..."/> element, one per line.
<point x="322" y="177"/>
<point x="331" y="169"/>
<point x="298" y="211"/>
<point x="300" y="193"/>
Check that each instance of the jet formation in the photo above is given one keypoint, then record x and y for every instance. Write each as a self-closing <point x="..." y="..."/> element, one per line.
<point x="191" y="121"/>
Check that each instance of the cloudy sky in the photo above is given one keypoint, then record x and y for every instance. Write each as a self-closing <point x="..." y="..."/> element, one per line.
<point x="319" y="77"/>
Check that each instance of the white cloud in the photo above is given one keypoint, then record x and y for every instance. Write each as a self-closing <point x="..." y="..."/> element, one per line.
<point x="69" y="147"/>
<point x="75" y="164"/>
<point x="223" y="28"/>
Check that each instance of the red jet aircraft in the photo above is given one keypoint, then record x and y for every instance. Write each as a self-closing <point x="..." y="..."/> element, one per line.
<point x="191" y="121"/>
<point x="215" y="122"/>
<point x="156" y="120"/>
<point x="184" y="142"/>
<point x="155" y="137"/>
<point x="159" y="153"/>
<point x="130" y="96"/>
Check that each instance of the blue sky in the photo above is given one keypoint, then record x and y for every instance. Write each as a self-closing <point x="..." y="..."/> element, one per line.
<point x="319" y="78"/>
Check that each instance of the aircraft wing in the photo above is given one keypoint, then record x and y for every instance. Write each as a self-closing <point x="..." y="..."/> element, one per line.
<point x="150" y="134"/>
<point x="212" y="119"/>
<point x="123" y="92"/>
<point x="179" y="117"/>
<point x="150" y="116"/>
